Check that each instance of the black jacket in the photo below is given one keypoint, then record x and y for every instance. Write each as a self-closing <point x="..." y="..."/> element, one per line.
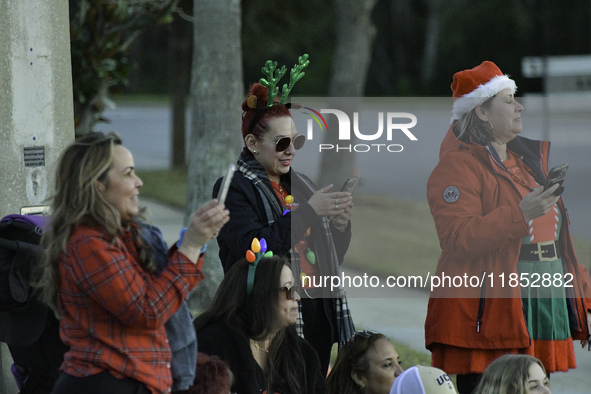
<point x="231" y="345"/>
<point x="248" y="220"/>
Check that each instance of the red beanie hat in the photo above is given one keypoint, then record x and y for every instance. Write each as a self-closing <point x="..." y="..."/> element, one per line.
<point x="474" y="86"/>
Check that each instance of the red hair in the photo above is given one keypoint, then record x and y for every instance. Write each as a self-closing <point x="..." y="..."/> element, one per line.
<point x="248" y="115"/>
<point x="212" y="376"/>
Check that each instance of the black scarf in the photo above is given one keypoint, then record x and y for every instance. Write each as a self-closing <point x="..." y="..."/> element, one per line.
<point x="254" y="171"/>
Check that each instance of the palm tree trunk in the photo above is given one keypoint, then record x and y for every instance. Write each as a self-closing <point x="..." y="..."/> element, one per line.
<point x="216" y="98"/>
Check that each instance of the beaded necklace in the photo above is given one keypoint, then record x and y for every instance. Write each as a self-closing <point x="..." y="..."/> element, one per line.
<point x="280" y="191"/>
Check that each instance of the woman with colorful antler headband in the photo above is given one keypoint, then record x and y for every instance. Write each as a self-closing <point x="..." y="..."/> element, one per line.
<point x="250" y="325"/>
<point x="267" y="199"/>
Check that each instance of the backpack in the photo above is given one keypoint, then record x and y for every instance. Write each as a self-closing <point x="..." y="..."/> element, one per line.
<point x="27" y="326"/>
<point x="19" y="253"/>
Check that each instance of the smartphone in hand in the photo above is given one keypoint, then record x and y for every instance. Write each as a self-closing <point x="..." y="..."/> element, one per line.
<point x="350" y="184"/>
<point x="556" y="175"/>
<point x="223" y="192"/>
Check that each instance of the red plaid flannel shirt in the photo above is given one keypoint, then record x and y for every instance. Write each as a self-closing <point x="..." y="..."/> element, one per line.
<point x="114" y="312"/>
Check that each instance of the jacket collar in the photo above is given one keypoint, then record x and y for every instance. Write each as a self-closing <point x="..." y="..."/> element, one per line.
<point x="534" y="152"/>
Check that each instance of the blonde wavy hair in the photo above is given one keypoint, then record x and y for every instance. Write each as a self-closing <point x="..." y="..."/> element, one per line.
<point x="508" y="374"/>
<point x="78" y="201"/>
<point x="470" y="125"/>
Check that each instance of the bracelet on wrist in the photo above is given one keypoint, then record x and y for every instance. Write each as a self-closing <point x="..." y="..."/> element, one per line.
<point x="340" y="228"/>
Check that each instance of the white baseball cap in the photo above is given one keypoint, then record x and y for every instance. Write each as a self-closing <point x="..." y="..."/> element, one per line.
<point x="423" y="380"/>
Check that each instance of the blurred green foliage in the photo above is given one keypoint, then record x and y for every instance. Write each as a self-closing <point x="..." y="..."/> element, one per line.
<point x="470" y="32"/>
<point x="101" y="33"/>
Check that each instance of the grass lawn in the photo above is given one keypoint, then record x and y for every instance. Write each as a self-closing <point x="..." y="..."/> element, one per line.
<point x="392" y="237"/>
<point x="166" y="186"/>
<point x="408" y="357"/>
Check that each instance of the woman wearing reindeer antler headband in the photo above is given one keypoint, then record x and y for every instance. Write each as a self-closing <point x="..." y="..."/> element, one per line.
<point x="268" y="200"/>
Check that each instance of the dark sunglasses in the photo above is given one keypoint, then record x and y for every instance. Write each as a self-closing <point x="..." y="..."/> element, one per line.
<point x="291" y="293"/>
<point x="283" y="143"/>
<point x="363" y="334"/>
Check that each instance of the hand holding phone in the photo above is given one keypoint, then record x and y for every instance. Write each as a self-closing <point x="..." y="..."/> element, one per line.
<point x="223" y="192"/>
<point x="350" y="184"/>
<point x="556" y="175"/>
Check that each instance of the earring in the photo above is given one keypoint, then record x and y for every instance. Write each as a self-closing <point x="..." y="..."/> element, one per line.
<point x="491" y="125"/>
<point x="254" y="151"/>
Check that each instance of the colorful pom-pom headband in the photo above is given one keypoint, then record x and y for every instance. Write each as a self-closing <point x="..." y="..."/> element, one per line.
<point x="258" y="250"/>
<point x="273" y="75"/>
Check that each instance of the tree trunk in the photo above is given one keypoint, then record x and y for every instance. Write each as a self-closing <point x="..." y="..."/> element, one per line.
<point x="355" y="34"/>
<point x="180" y="43"/>
<point x="89" y="115"/>
<point x="431" y="42"/>
<point x="403" y="19"/>
<point x="216" y="98"/>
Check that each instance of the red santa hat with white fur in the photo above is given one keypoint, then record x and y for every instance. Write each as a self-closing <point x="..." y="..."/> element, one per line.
<point x="474" y="86"/>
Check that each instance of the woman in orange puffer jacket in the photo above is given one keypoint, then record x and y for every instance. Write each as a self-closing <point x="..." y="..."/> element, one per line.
<point x="509" y="277"/>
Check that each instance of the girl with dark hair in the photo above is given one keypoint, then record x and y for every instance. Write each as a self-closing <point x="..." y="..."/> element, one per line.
<point x="253" y="331"/>
<point x="267" y="199"/>
<point x="100" y="278"/>
<point x="367" y="364"/>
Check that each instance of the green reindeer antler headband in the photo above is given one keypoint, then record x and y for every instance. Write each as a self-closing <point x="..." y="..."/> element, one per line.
<point x="273" y="75"/>
<point x="257" y="251"/>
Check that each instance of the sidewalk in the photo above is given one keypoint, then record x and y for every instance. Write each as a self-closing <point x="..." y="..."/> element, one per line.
<point x="398" y="313"/>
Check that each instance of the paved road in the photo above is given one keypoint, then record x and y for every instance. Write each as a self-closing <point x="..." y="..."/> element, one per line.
<point x="398" y="313"/>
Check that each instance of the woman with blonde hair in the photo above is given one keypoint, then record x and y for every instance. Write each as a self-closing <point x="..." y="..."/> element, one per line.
<point x="500" y="218"/>
<point x="514" y="374"/>
<point x="101" y="278"/>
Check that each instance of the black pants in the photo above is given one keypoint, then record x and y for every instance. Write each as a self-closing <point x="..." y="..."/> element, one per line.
<point x="317" y="330"/>
<point x="101" y="383"/>
<point x="41" y="360"/>
<point x="468" y="382"/>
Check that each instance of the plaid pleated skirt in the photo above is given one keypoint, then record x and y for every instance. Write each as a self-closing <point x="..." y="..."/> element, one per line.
<point x="546" y="316"/>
